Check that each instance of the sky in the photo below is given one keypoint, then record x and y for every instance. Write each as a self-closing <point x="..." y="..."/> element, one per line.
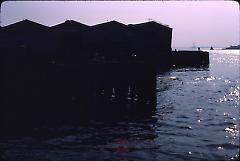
<point x="205" y="23"/>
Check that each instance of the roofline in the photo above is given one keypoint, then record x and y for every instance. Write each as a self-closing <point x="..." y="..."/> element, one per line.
<point x="23" y="21"/>
<point x="165" y="25"/>
<point x="71" y="21"/>
<point x="109" y="22"/>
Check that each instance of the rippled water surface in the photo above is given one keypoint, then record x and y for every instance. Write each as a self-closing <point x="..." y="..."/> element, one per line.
<point x="197" y="118"/>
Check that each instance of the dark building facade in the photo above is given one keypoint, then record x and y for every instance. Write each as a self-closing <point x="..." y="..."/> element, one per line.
<point x="75" y="42"/>
<point x="25" y="33"/>
<point x="71" y="38"/>
<point x="65" y="69"/>
<point x="151" y="42"/>
<point x="111" y="40"/>
<point x="148" y="42"/>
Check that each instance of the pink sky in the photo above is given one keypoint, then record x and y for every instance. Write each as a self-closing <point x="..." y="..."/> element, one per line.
<point x="207" y="23"/>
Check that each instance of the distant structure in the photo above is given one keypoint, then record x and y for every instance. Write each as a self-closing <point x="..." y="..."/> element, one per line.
<point x="233" y="47"/>
<point x="194" y="45"/>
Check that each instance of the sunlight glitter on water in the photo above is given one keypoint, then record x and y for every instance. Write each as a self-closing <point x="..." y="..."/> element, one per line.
<point x="233" y="95"/>
<point x="233" y="130"/>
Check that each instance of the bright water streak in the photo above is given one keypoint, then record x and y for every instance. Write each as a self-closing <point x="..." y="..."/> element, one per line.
<point x="197" y="119"/>
<point x="204" y="120"/>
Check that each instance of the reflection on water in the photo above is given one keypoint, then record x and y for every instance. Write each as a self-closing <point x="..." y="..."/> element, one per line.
<point x="197" y="118"/>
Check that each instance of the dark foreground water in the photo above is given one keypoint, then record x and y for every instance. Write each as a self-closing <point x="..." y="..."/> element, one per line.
<point x="197" y="118"/>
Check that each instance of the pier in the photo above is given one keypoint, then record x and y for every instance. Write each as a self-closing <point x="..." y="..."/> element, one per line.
<point x="71" y="71"/>
<point x="190" y="59"/>
<point x="70" y="94"/>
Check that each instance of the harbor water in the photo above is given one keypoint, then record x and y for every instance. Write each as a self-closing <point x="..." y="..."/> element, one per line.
<point x="196" y="118"/>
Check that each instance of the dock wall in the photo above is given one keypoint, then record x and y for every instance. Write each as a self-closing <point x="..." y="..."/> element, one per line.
<point x="189" y="58"/>
<point x="55" y="94"/>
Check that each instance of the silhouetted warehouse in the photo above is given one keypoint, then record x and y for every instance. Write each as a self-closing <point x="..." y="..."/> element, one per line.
<point x="71" y="38"/>
<point x="151" y="41"/>
<point x="73" y="42"/>
<point x="54" y="69"/>
<point x="26" y="43"/>
<point x="26" y="33"/>
<point x="111" y="39"/>
<point x="25" y="53"/>
<point x="50" y="65"/>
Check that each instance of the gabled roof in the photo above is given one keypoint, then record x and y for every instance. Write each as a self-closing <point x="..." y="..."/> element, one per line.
<point x="25" y="25"/>
<point x="70" y="25"/>
<point x="149" y="23"/>
<point x="110" y="23"/>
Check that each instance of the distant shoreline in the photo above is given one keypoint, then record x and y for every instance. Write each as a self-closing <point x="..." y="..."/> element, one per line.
<point x="237" y="47"/>
<point x="233" y="47"/>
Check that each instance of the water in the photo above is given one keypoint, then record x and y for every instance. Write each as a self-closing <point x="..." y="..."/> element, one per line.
<point x="197" y="118"/>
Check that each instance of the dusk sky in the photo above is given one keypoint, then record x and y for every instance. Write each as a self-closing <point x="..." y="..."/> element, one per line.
<point x="205" y="23"/>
